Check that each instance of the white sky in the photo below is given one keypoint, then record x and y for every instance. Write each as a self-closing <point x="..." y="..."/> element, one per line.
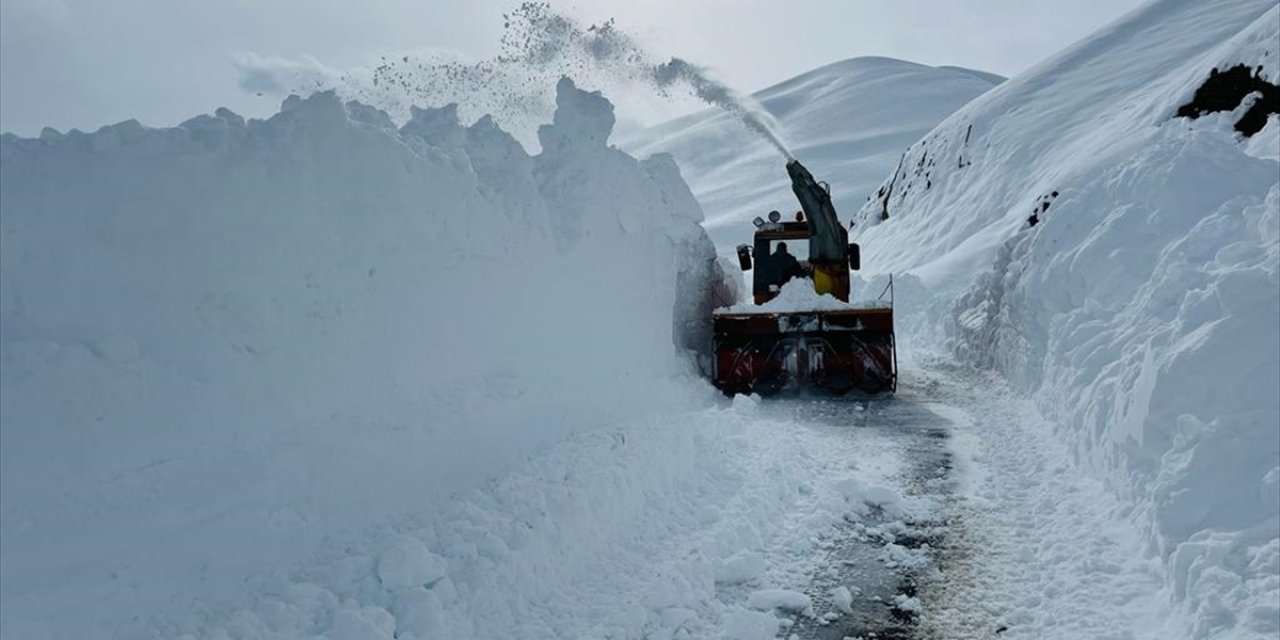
<point x="86" y="63"/>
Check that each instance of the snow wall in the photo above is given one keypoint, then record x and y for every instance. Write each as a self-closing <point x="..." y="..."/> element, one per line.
<point x="1127" y="278"/>
<point x="228" y="344"/>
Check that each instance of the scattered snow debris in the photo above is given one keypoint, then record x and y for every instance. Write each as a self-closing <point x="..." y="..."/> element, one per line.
<point x="745" y="404"/>
<point x="908" y="604"/>
<point x="781" y="599"/>
<point x="851" y="490"/>
<point x="842" y="598"/>
<point x="796" y="295"/>
<point x="885" y="499"/>
<point x="897" y="556"/>
<point x="744" y="567"/>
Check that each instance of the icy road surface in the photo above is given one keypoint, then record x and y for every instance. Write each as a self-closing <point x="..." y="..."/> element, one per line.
<point x="957" y="521"/>
<point x="867" y="569"/>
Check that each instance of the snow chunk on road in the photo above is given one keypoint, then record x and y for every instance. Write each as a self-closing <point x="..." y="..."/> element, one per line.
<point x="744" y="404"/>
<point x="750" y="625"/>
<point x="908" y="604"/>
<point x="784" y="599"/>
<point x="860" y="496"/>
<point x="409" y="564"/>
<point x="886" y="499"/>
<point x="896" y="556"/>
<point x="842" y="598"/>
<point x="741" y="568"/>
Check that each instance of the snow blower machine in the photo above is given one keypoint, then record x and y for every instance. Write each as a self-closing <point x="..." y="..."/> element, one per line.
<point x="812" y="341"/>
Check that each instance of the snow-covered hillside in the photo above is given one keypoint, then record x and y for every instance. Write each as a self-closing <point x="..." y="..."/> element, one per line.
<point x="848" y="122"/>
<point x="230" y="346"/>
<point x="1128" y="277"/>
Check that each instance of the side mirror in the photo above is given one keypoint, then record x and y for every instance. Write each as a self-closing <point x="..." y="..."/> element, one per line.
<point x="855" y="257"/>
<point x="744" y="257"/>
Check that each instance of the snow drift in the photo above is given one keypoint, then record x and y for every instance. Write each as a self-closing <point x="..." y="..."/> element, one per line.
<point x="847" y="121"/>
<point x="1127" y="277"/>
<point x="229" y="345"/>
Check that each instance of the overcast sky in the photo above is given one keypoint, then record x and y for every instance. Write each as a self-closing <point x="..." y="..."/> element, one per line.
<point x="85" y="63"/>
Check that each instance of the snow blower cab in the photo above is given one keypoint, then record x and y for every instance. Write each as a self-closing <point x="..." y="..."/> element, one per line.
<point x="815" y="339"/>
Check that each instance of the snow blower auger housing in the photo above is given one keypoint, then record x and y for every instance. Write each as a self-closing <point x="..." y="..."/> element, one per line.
<point x="818" y="343"/>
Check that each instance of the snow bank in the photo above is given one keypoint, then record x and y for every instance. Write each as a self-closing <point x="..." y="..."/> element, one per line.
<point x="229" y="346"/>
<point x="617" y="532"/>
<point x="1128" y="279"/>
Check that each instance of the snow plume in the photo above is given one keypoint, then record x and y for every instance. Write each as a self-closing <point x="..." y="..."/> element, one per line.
<point x="538" y="45"/>
<point x="850" y="132"/>
<point x="228" y="344"/>
<point x="720" y="95"/>
<point x="1131" y="281"/>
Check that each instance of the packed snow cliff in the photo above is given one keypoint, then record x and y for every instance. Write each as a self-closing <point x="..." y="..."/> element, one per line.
<point x="1128" y="277"/>
<point x="230" y="345"/>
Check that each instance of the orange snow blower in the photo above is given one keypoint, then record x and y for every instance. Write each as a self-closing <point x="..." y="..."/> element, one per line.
<point x="813" y="343"/>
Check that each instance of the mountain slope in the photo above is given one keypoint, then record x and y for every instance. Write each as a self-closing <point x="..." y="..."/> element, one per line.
<point x="1127" y="267"/>
<point x="848" y="122"/>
